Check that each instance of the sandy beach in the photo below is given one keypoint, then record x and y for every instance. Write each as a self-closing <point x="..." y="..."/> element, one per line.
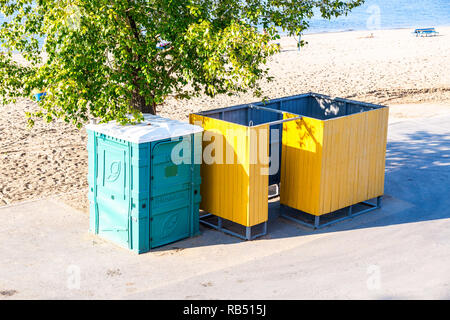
<point x="390" y="67"/>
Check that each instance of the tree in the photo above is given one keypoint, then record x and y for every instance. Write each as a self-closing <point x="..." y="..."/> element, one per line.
<point x="111" y="58"/>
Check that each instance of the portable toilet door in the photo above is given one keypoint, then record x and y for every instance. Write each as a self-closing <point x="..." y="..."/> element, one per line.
<point x="171" y="189"/>
<point x="112" y="191"/>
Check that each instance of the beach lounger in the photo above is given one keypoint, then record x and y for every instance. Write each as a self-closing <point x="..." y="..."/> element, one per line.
<point x="425" y="32"/>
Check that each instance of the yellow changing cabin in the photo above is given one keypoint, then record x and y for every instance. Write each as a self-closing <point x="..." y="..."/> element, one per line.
<point x="326" y="154"/>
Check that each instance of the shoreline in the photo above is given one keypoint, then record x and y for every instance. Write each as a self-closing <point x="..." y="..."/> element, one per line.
<point x="373" y="30"/>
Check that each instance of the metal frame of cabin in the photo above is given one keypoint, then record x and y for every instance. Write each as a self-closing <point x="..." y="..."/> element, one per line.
<point x="219" y="226"/>
<point x="317" y="225"/>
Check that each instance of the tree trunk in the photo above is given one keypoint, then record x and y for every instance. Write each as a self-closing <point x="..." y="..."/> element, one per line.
<point x="137" y="100"/>
<point x="138" y="103"/>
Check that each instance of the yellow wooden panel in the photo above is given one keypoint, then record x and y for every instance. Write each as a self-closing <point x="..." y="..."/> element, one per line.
<point x="236" y="191"/>
<point x="326" y="187"/>
<point x="259" y="174"/>
<point x="345" y="192"/>
<point x="301" y="163"/>
<point x="334" y="160"/>
<point x="363" y="152"/>
<point x="374" y="140"/>
<point x="353" y="161"/>
<point x="381" y="151"/>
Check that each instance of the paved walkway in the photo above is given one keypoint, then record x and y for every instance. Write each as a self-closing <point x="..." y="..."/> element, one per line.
<point x="401" y="251"/>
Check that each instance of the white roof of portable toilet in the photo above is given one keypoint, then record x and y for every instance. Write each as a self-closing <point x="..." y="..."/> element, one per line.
<point x="153" y="128"/>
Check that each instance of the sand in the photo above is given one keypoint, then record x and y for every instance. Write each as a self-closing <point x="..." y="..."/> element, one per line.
<point x="46" y="160"/>
<point x="390" y="67"/>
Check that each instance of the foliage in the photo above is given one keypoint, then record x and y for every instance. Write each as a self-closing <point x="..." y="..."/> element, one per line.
<point x="109" y="59"/>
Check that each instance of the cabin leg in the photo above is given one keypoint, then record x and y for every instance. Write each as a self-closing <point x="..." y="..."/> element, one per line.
<point x="316" y="222"/>
<point x="248" y="233"/>
<point x="379" y="202"/>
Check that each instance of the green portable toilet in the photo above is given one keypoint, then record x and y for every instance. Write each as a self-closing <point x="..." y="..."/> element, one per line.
<point x="144" y="181"/>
